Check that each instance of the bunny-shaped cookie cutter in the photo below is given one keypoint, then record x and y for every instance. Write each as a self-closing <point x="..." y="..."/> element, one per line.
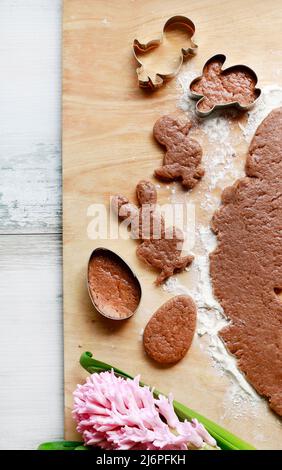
<point x="216" y="80"/>
<point x="155" y="79"/>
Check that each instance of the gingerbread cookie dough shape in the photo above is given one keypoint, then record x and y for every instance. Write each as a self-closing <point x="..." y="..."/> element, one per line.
<point x="146" y="221"/>
<point x="246" y="267"/>
<point x="160" y="248"/>
<point x="169" y="334"/>
<point x="183" y="154"/>
<point x="217" y="88"/>
<point x="164" y="254"/>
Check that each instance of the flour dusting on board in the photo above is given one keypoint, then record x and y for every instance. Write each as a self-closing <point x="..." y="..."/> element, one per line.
<point x="271" y="98"/>
<point x="220" y="171"/>
<point x="218" y="161"/>
<point x="210" y="314"/>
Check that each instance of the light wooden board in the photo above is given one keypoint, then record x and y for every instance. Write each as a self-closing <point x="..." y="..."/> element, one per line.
<point x="108" y="148"/>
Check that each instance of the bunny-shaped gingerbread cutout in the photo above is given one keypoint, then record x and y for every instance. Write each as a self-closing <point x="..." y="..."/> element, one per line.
<point x="246" y="267"/>
<point x="217" y="88"/>
<point x="164" y="254"/>
<point x="155" y="67"/>
<point x="160" y="247"/>
<point x="145" y="222"/>
<point x="183" y="156"/>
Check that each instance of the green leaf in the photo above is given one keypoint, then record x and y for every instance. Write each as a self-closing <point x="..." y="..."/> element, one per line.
<point x="225" y="439"/>
<point x="93" y="365"/>
<point x="62" y="445"/>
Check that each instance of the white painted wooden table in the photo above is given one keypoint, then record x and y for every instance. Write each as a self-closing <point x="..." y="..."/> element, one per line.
<point x="31" y="338"/>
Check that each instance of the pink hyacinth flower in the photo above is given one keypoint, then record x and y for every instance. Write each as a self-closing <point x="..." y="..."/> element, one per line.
<point x="116" y="413"/>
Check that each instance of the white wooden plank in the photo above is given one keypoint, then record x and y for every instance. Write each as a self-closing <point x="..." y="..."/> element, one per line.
<point x="31" y="341"/>
<point x="30" y="130"/>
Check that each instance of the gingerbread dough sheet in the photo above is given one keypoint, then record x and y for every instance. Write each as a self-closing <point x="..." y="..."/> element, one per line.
<point x="246" y="267"/>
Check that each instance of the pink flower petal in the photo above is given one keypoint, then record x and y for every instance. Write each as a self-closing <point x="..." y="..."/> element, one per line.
<point x="114" y="413"/>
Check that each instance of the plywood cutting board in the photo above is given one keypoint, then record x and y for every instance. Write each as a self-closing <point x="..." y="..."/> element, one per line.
<point x="108" y="148"/>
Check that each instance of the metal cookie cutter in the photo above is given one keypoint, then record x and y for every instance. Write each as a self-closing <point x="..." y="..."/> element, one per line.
<point x="97" y="299"/>
<point x="214" y="65"/>
<point x="154" y="78"/>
